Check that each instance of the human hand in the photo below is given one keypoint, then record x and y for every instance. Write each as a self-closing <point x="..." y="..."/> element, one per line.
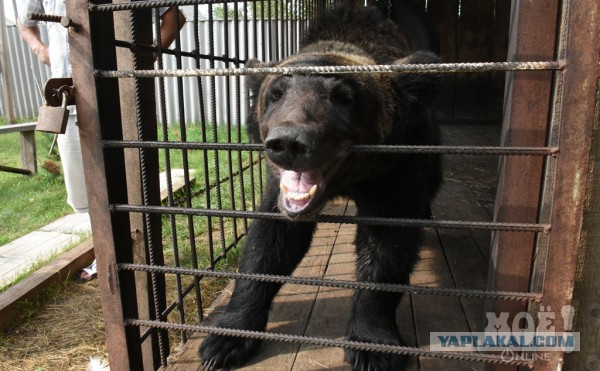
<point x="41" y="51"/>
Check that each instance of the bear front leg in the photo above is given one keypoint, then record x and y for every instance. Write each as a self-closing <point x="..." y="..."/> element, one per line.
<point x="272" y="247"/>
<point x="386" y="255"/>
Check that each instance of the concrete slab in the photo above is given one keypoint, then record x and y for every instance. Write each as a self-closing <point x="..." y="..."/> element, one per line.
<point x="19" y="255"/>
<point x="73" y="223"/>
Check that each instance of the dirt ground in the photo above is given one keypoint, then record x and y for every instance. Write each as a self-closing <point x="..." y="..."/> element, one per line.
<point x="65" y="328"/>
<point x="61" y="332"/>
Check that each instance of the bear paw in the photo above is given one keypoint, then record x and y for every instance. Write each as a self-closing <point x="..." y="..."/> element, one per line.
<point x="374" y="361"/>
<point x="225" y="351"/>
<point x="370" y="361"/>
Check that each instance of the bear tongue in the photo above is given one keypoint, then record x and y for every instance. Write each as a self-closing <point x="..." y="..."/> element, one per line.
<point x="301" y="185"/>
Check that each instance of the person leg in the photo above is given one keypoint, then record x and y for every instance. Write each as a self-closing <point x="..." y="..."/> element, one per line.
<point x="69" y="148"/>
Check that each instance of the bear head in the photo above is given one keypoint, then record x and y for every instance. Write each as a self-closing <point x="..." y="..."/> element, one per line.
<point x="309" y="122"/>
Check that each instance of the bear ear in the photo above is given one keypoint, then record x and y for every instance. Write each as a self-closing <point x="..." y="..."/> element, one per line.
<point x="419" y="89"/>
<point x="253" y="82"/>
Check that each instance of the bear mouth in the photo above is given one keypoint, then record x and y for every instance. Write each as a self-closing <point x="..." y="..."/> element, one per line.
<point x="301" y="192"/>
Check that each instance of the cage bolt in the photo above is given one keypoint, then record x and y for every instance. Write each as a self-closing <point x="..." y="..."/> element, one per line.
<point x="65" y="21"/>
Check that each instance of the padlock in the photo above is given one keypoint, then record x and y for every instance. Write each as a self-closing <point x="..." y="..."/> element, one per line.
<point x="54" y="119"/>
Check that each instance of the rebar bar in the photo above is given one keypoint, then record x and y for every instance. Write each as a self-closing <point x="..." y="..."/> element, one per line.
<point x="325" y="218"/>
<point x="345" y="344"/>
<point x="324" y="70"/>
<point x="43" y="17"/>
<point x="148" y="4"/>
<point x="325" y="282"/>
<point x="396" y="149"/>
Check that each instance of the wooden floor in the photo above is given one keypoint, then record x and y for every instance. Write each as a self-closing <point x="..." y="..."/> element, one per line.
<point x="448" y="259"/>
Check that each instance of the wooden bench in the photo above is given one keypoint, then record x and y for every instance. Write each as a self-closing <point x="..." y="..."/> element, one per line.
<point x="28" y="154"/>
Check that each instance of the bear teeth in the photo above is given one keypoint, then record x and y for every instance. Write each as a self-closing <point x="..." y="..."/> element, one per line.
<point x="299" y="196"/>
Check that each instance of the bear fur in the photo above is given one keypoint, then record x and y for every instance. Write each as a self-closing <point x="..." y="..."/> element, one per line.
<point x="308" y="124"/>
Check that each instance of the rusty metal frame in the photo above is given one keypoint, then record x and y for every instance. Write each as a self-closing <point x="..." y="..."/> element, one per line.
<point x="143" y="186"/>
<point x="574" y="113"/>
<point x="526" y="117"/>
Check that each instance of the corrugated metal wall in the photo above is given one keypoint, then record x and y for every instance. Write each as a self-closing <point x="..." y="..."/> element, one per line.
<point x="246" y="50"/>
<point x="26" y="68"/>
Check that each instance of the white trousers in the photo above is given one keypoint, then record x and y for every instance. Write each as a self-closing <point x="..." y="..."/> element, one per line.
<point x="69" y="148"/>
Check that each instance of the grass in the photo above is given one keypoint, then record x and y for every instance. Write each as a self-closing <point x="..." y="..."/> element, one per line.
<point x="227" y="187"/>
<point x="29" y="202"/>
<point x="65" y="327"/>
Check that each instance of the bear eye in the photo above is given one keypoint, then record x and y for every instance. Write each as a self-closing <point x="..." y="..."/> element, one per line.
<point x="342" y="96"/>
<point x="276" y="94"/>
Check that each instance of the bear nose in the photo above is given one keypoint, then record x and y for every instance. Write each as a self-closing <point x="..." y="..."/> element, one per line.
<point x="288" y="147"/>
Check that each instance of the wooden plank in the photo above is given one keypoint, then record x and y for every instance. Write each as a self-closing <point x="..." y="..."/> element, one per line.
<point x="586" y="293"/>
<point x="526" y="116"/>
<point x="587" y="290"/>
<point x="177" y="182"/>
<point x="477" y="178"/>
<point x="467" y="262"/>
<point x="471" y="179"/>
<point x="187" y="358"/>
<point x="577" y="102"/>
<point x="461" y="198"/>
<point x="290" y="310"/>
<point x="146" y="229"/>
<point x="482" y="169"/>
<point x="500" y="50"/>
<point x="27" y="140"/>
<point x="112" y="232"/>
<point x="56" y="271"/>
<point x="444" y="14"/>
<point x="436" y="313"/>
<point x="17" y="128"/>
<point x="28" y="153"/>
<point x="331" y="311"/>
<point x="475" y="44"/>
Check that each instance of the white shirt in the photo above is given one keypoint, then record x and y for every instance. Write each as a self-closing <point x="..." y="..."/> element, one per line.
<point x="58" y="37"/>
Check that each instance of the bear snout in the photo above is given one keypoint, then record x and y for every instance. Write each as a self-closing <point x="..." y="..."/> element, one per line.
<point x="289" y="147"/>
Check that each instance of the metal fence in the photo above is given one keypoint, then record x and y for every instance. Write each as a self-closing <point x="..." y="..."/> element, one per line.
<point x="29" y="74"/>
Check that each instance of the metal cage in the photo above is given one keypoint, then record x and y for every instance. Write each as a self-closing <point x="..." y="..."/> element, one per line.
<point x="158" y="253"/>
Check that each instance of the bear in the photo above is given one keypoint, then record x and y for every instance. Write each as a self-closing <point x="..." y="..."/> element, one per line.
<point x="308" y="124"/>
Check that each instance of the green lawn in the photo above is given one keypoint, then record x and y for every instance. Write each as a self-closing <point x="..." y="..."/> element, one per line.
<point x="200" y="225"/>
<point x="29" y="202"/>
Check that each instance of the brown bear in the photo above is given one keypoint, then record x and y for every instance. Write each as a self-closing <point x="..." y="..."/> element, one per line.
<point x="308" y="124"/>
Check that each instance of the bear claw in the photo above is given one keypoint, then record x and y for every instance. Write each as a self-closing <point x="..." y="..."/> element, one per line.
<point x="209" y="365"/>
<point x="374" y="361"/>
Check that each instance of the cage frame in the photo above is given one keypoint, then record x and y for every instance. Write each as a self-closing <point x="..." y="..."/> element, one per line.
<point x="572" y="102"/>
